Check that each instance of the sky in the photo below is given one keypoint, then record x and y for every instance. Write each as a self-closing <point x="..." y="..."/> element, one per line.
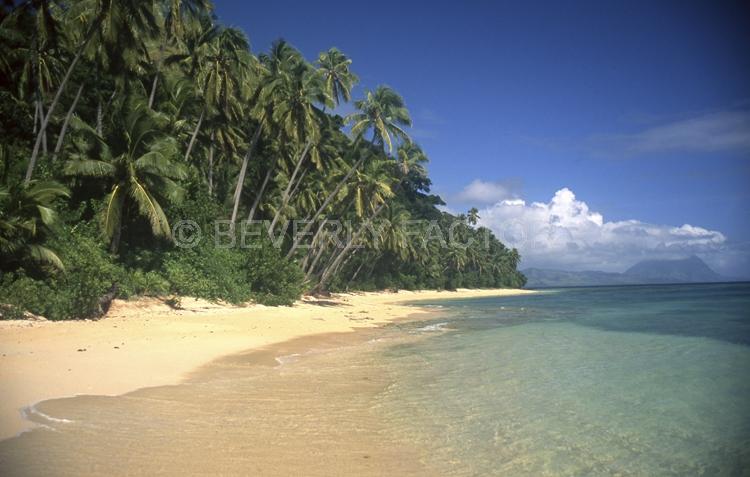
<point x="590" y="135"/>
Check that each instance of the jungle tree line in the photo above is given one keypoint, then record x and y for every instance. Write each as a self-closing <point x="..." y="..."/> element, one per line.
<point x="136" y="113"/>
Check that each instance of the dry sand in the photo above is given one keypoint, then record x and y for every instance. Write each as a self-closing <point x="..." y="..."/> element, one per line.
<point x="146" y="343"/>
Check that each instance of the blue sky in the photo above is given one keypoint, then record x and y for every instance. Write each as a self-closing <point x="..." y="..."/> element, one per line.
<point x="636" y="113"/>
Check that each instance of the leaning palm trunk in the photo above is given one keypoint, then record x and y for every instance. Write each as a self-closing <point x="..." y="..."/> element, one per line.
<point x="296" y="186"/>
<point x="328" y="272"/>
<point x="61" y="137"/>
<point x="99" y="117"/>
<point x="36" y="116"/>
<point x="339" y="264"/>
<point x="356" y="272"/>
<point x="211" y="165"/>
<point x="153" y="90"/>
<point x="323" y="206"/>
<point x="55" y="100"/>
<point x="41" y="115"/>
<point x="315" y="244"/>
<point x="285" y="198"/>
<point x="315" y="261"/>
<point x="261" y="191"/>
<point x="194" y="136"/>
<point x="243" y="171"/>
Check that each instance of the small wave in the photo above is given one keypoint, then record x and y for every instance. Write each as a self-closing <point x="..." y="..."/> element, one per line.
<point x="29" y="411"/>
<point x="288" y="358"/>
<point x="434" y="327"/>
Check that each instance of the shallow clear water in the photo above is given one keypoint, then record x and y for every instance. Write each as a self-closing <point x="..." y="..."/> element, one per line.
<point x="629" y="381"/>
<point x="651" y="380"/>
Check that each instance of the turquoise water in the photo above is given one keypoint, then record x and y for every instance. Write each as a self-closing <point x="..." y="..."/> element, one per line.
<point x="647" y="380"/>
<point x="620" y="381"/>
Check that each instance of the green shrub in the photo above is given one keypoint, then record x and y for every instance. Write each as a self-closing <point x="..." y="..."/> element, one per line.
<point x="75" y="293"/>
<point x="273" y="279"/>
<point x="207" y="272"/>
<point x="137" y="282"/>
<point x="235" y="275"/>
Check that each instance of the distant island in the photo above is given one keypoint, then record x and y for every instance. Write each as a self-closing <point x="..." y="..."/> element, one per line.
<point x="687" y="270"/>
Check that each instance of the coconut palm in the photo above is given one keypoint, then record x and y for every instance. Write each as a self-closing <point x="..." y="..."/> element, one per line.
<point x="137" y="163"/>
<point x="40" y="56"/>
<point x="26" y="219"/>
<point x="382" y="111"/>
<point x="473" y="216"/>
<point x="296" y="116"/>
<point x="118" y="24"/>
<point x="222" y="77"/>
<point x="339" y="80"/>
<point x="379" y="190"/>
<point x="178" y="16"/>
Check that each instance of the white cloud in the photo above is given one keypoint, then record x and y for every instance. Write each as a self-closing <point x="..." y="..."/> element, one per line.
<point x="719" y="131"/>
<point x="564" y="233"/>
<point x="485" y="192"/>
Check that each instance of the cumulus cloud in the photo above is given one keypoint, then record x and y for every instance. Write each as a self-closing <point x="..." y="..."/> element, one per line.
<point x="719" y="131"/>
<point x="565" y="233"/>
<point x="485" y="192"/>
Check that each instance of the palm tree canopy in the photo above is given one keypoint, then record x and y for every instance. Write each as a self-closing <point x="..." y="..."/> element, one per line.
<point x="26" y="217"/>
<point x="384" y="112"/>
<point x="136" y="161"/>
<point x="339" y="80"/>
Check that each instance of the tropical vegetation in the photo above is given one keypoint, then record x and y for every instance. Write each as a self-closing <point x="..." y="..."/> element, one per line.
<point x="123" y="119"/>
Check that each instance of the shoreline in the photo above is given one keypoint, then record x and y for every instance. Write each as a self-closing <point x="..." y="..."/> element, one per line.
<point x="145" y="343"/>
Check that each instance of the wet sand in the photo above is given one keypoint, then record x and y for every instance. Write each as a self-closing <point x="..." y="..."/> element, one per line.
<point x="308" y="406"/>
<point x="145" y="343"/>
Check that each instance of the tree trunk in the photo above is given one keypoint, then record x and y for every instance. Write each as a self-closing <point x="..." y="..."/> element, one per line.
<point x="194" y="136"/>
<point x="331" y="268"/>
<point x="313" y="245"/>
<point x="296" y="186"/>
<point x="315" y="261"/>
<point x="211" y="165"/>
<point x="339" y="264"/>
<point x="99" y="117"/>
<point x="243" y="171"/>
<point x="44" y="135"/>
<point x="356" y="272"/>
<point x="61" y="137"/>
<point x="36" y="116"/>
<point x="259" y="195"/>
<point x="323" y="206"/>
<point x="55" y="100"/>
<point x="285" y="197"/>
<point x="153" y="90"/>
<point x="116" y="238"/>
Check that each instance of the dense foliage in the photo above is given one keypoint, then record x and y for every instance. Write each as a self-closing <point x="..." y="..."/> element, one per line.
<point x="122" y="119"/>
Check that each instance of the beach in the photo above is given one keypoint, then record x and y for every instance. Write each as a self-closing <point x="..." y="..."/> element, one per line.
<point x="146" y="343"/>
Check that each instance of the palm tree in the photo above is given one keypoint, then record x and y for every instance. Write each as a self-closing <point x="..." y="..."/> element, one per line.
<point x="178" y="15"/>
<point x="223" y="76"/>
<point x="121" y="23"/>
<point x="288" y="92"/>
<point x="295" y="115"/>
<point x="339" y="80"/>
<point x="40" y="56"/>
<point x="382" y="111"/>
<point x="137" y="163"/>
<point x="473" y="216"/>
<point x="376" y="199"/>
<point x="26" y="219"/>
<point x="395" y="234"/>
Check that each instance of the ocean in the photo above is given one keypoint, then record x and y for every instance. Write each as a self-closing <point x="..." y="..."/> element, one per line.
<point x="629" y="381"/>
<point x="632" y="380"/>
